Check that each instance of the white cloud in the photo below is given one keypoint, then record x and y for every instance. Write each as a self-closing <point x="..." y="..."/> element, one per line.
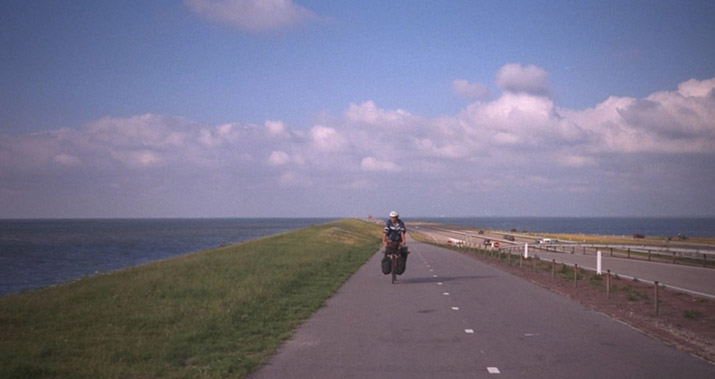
<point x="519" y="138"/>
<point x="373" y="164"/>
<point x="276" y="128"/>
<point x="368" y="113"/>
<point x="252" y="15"/>
<point x="514" y="77"/>
<point x="663" y="122"/>
<point x="327" y="139"/>
<point x="278" y="158"/>
<point x="470" y="90"/>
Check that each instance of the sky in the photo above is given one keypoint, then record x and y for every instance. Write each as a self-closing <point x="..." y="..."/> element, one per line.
<point x="308" y="108"/>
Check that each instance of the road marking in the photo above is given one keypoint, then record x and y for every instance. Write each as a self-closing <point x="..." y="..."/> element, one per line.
<point x="439" y="283"/>
<point x="493" y="370"/>
<point x="445" y="293"/>
<point x="431" y="270"/>
<point x="434" y="276"/>
<point x="455" y="308"/>
<point x="469" y="331"/>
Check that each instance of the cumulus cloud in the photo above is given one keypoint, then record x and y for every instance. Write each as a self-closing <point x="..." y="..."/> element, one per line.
<point x="252" y="15"/>
<point x="530" y="79"/>
<point x="373" y="164"/>
<point x="327" y="139"/>
<point x="681" y="121"/>
<point x="470" y="90"/>
<point x="278" y="158"/>
<point x="369" y="113"/>
<point x="518" y="138"/>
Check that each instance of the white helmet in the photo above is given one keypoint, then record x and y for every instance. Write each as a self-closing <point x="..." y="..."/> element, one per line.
<point x="394" y="214"/>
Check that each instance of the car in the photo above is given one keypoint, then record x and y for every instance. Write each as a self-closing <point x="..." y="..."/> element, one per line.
<point x="509" y="237"/>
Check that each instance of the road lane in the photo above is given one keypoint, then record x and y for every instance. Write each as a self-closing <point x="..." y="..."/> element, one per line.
<point x="451" y="316"/>
<point x="697" y="280"/>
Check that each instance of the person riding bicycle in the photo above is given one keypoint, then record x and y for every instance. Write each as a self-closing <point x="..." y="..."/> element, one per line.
<point x="394" y="240"/>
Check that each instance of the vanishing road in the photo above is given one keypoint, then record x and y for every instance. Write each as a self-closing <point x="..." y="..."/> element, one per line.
<point x="451" y="316"/>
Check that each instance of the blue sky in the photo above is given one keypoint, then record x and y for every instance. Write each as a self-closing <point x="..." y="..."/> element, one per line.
<point x="238" y="108"/>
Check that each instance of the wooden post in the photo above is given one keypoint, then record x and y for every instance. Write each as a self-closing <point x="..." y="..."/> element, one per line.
<point x="611" y="252"/>
<point x="656" y="298"/>
<point x="629" y="253"/>
<point x="575" y="276"/>
<point x="705" y="260"/>
<point x="673" y="257"/>
<point x="648" y="255"/>
<point x="608" y="284"/>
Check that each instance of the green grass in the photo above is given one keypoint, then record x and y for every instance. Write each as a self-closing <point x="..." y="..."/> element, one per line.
<point x="215" y="314"/>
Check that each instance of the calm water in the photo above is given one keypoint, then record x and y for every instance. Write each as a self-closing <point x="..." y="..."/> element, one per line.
<point x="693" y="227"/>
<point x="39" y="253"/>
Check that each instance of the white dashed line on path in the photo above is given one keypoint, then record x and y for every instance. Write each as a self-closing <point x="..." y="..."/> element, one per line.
<point x="493" y="370"/>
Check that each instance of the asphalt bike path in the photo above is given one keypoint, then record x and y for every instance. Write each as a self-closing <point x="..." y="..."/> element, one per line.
<point x="451" y="316"/>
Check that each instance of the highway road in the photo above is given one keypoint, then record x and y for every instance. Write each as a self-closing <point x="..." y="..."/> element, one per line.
<point x="451" y="316"/>
<point x="696" y="280"/>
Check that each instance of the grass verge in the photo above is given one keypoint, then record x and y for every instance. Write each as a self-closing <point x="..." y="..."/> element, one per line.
<point x="215" y="314"/>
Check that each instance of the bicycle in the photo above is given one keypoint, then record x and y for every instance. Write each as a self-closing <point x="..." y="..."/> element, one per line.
<point x="392" y="251"/>
<point x="393" y="256"/>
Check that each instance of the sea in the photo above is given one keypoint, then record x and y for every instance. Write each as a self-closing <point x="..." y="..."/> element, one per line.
<point x="42" y="253"/>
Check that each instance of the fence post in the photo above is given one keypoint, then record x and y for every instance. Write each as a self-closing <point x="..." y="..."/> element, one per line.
<point x="608" y="284"/>
<point x="611" y="251"/>
<point x="705" y="260"/>
<point x="673" y="257"/>
<point x="598" y="262"/>
<point x="629" y="253"/>
<point x="575" y="276"/>
<point x="648" y="255"/>
<point x="656" y="298"/>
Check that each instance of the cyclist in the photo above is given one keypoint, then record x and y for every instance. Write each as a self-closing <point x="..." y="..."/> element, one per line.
<point x="393" y="238"/>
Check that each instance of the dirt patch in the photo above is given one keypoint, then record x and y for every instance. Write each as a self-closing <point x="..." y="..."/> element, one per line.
<point x="684" y="321"/>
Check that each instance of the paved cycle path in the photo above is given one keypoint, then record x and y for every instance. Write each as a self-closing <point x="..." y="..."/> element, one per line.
<point x="451" y="316"/>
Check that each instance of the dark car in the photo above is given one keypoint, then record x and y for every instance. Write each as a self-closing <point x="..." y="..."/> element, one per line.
<point x="509" y="237"/>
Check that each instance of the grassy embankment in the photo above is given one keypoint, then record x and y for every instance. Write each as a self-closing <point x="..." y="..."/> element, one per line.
<point x="217" y="313"/>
